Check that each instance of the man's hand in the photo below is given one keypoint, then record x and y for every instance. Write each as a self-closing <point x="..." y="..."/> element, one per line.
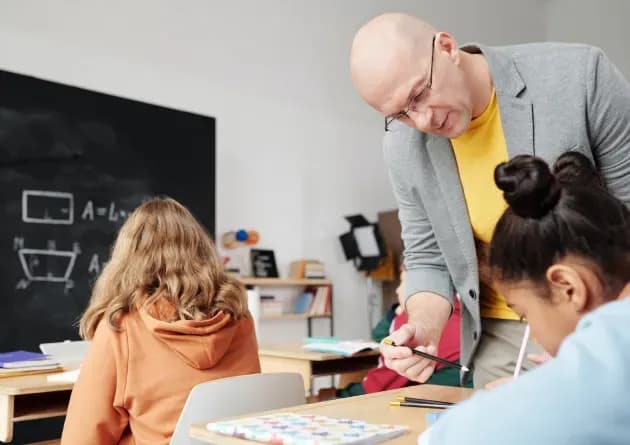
<point x="427" y="314"/>
<point x="402" y="360"/>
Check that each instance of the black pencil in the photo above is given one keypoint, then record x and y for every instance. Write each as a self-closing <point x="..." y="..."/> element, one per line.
<point x="420" y="405"/>
<point x="387" y="341"/>
<point x="417" y="400"/>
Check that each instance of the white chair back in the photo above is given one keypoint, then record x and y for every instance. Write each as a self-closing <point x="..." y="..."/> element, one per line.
<point x="235" y="396"/>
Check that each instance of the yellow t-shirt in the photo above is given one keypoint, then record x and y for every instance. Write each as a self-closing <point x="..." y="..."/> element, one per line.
<point x="478" y="151"/>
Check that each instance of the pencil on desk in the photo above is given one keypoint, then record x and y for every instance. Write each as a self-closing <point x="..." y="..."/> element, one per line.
<point x="420" y="405"/>
<point x="417" y="400"/>
<point x="388" y="342"/>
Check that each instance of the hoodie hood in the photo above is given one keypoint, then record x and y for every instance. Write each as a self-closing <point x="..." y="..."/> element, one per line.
<point x="199" y="343"/>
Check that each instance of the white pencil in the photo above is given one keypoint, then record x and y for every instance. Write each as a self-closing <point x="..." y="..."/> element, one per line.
<point x="521" y="353"/>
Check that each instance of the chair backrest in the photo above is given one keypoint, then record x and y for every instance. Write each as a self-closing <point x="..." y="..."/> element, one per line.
<point x="235" y="396"/>
<point x="66" y="352"/>
<point x="253" y="304"/>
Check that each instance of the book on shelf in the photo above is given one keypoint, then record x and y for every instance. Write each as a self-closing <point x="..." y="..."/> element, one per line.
<point x="315" y="271"/>
<point x="272" y="308"/>
<point x="304" y="268"/>
<point x="312" y="301"/>
<point x="335" y="345"/>
<point x="303" y="303"/>
<point x="321" y="301"/>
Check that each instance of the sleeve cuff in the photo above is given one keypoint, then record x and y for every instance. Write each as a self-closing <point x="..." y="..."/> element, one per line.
<point x="430" y="280"/>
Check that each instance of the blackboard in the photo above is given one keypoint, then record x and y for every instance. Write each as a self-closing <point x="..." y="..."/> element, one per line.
<point x="73" y="164"/>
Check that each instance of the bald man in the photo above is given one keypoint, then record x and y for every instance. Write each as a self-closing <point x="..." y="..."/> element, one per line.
<point x="451" y="115"/>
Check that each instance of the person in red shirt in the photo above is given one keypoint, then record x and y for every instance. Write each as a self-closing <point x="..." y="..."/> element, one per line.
<point x="382" y="378"/>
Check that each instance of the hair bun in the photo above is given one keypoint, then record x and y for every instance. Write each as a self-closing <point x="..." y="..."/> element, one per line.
<point x="528" y="186"/>
<point x="573" y="168"/>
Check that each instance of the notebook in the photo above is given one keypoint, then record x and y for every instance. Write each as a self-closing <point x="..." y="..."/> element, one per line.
<point x="333" y="345"/>
<point x="16" y="363"/>
<point x="306" y="429"/>
<point x="18" y="372"/>
<point x="30" y="364"/>
<point x="15" y="359"/>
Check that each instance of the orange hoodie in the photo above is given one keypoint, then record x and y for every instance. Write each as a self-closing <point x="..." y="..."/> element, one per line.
<point x="133" y="384"/>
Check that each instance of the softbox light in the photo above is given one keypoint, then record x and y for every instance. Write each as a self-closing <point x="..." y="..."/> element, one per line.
<point x="363" y="244"/>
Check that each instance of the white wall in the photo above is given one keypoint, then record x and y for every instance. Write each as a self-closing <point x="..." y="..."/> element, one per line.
<point x="296" y="148"/>
<point x="602" y="23"/>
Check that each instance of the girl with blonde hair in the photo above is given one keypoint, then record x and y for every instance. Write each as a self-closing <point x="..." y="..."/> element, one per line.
<point x="163" y="317"/>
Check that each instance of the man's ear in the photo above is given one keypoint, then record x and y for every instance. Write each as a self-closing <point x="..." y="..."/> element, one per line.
<point x="567" y="287"/>
<point x="446" y="43"/>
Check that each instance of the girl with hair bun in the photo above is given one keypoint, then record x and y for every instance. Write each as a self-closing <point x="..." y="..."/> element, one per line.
<point x="560" y="254"/>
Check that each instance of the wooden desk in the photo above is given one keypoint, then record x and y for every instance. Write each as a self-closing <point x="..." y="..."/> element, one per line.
<point x="29" y="398"/>
<point x="373" y="408"/>
<point x="291" y="357"/>
<point x="34" y="397"/>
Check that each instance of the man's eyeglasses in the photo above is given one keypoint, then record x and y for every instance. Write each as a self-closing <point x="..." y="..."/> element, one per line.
<point x="417" y="98"/>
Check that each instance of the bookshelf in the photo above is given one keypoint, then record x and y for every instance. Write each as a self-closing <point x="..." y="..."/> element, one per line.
<point x="260" y="284"/>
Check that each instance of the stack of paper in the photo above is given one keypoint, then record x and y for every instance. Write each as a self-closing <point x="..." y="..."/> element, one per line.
<point x="306" y="429"/>
<point x="23" y="363"/>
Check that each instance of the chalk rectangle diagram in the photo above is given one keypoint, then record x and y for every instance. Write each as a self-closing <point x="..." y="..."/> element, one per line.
<point x="47" y="265"/>
<point x="47" y="207"/>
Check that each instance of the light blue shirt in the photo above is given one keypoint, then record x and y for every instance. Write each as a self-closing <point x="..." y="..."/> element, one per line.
<point x="581" y="397"/>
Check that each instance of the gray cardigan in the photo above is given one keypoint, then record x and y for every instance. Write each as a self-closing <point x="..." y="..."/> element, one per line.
<point x="552" y="98"/>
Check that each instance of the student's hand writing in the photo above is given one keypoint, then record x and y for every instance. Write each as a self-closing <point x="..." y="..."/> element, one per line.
<point x="539" y="359"/>
<point x="401" y="359"/>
